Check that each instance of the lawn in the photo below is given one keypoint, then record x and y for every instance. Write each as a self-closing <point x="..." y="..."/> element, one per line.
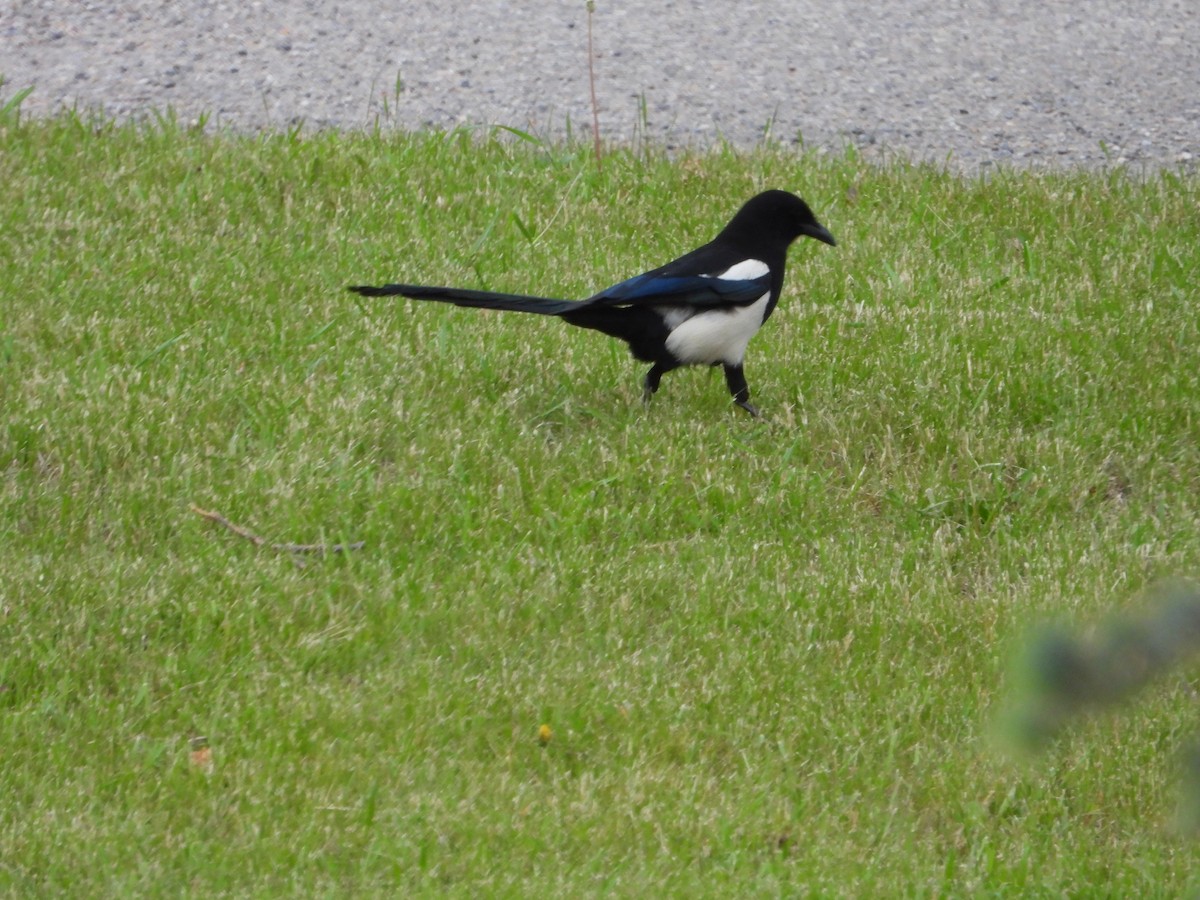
<point x="768" y="654"/>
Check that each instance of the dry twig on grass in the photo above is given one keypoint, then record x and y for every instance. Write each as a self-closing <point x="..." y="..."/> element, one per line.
<point x="260" y="541"/>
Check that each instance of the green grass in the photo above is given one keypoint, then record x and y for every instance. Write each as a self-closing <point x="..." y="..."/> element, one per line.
<point x="770" y="652"/>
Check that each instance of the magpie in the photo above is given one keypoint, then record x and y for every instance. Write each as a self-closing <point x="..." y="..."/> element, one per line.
<point x="700" y="310"/>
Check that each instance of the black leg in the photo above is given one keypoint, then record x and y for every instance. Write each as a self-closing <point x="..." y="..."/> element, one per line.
<point x="736" y="379"/>
<point x="653" y="377"/>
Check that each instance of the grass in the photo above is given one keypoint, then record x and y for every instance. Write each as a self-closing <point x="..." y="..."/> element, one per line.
<point x="769" y="653"/>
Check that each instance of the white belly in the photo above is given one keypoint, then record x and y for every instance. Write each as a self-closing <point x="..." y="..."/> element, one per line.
<point x="717" y="335"/>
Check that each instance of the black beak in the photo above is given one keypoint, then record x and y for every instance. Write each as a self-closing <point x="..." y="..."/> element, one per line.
<point x="821" y="233"/>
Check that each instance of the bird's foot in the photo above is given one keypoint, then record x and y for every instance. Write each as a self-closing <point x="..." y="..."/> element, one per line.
<point x="749" y="407"/>
<point x="649" y="386"/>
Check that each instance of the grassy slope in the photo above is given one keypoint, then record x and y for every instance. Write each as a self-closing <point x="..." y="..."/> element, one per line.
<point x="769" y="651"/>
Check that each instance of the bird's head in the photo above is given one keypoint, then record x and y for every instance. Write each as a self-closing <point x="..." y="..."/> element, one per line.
<point x="776" y="216"/>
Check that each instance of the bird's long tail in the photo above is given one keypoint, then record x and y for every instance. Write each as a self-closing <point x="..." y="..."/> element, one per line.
<point x="543" y="306"/>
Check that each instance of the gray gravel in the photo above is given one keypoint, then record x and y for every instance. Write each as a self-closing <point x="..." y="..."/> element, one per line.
<point x="978" y="82"/>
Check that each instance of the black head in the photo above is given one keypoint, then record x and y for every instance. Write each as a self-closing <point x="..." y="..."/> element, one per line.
<point x="776" y="216"/>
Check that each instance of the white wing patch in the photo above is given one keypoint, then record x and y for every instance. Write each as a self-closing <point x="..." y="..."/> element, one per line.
<point x="746" y="270"/>
<point x="718" y="335"/>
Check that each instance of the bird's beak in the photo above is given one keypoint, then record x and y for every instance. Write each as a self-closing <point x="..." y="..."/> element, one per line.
<point x="821" y="233"/>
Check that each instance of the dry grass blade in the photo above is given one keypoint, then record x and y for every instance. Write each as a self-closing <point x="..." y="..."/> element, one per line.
<point x="260" y="541"/>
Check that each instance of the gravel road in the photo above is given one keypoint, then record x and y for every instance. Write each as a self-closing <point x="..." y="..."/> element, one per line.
<point x="977" y="82"/>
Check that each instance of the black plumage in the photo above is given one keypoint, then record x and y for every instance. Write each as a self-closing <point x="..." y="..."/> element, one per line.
<point x="700" y="309"/>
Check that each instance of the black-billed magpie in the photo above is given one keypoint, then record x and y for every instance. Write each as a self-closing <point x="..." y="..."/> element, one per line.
<point x="701" y="309"/>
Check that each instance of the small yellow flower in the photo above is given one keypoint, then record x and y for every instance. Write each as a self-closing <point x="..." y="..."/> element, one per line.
<point x="544" y="734"/>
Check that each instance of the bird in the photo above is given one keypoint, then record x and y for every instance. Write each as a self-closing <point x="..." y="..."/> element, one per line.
<point x="702" y="309"/>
